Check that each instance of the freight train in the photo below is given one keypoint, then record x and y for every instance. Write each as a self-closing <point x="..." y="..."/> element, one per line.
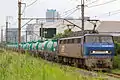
<point x="91" y="51"/>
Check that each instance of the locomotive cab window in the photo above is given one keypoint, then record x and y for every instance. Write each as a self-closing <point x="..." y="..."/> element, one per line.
<point x="71" y="41"/>
<point x="68" y="41"/>
<point x="98" y="39"/>
<point x="64" y="41"/>
<point x="77" y="40"/>
<point x="61" y="42"/>
<point x="91" y="39"/>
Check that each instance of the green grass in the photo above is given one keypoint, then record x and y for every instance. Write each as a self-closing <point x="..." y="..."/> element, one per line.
<point x="116" y="71"/>
<point x="116" y="64"/>
<point x="24" y="67"/>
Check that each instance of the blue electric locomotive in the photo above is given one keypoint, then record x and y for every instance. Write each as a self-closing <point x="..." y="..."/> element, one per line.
<point x="94" y="51"/>
<point x="98" y="50"/>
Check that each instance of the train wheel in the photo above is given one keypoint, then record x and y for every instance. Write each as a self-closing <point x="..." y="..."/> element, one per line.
<point x="76" y="63"/>
<point x="60" y="59"/>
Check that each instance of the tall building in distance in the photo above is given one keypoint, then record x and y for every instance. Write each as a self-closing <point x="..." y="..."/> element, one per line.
<point x="51" y="13"/>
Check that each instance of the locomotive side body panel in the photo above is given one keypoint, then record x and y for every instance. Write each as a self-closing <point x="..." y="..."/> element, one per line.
<point x="71" y="47"/>
<point x="70" y="50"/>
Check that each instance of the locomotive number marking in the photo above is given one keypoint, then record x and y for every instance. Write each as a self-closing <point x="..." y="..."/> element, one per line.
<point x="63" y="48"/>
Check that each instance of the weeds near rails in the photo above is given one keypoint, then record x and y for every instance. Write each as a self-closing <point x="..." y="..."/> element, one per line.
<point x="26" y="67"/>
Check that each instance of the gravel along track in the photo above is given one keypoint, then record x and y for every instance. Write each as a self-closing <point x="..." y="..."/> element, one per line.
<point x="99" y="75"/>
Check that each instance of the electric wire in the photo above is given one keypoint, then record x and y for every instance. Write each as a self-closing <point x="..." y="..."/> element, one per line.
<point x="110" y="13"/>
<point x="32" y="3"/>
<point x="102" y="3"/>
<point x="68" y="11"/>
<point x="114" y="13"/>
<point x="24" y="8"/>
<point x="92" y="2"/>
<point x="71" y="13"/>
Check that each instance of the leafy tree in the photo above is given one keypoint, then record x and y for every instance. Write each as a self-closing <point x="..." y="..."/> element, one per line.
<point x="66" y="33"/>
<point x="59" y="35"/>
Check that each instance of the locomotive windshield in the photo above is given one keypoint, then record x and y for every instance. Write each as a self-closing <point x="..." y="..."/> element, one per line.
<point x="100" y="39"/>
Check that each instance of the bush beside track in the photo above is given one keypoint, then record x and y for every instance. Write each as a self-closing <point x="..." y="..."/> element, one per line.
<point x="116" y="61"/>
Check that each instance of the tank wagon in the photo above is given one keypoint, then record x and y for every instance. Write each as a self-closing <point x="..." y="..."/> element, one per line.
<point x="92" y="51"/>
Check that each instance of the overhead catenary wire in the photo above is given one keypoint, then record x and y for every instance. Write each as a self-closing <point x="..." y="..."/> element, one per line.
<point x="110" y="13"/>
<point x="107" y="2"/>
<point x="67" y="12"/>
<point x="71" y="13"/>
<point x="114" y="13"/>
<point x="74" y="10"/>
<point x="92" y="2"/>
<point x="24" y="8"/>
<point x="32" y="3"/>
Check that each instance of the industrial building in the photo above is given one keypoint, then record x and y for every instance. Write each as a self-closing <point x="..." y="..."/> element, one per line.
<point x="12" y="35"/>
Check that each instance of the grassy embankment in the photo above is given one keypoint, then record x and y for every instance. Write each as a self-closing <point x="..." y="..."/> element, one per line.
<point x="116" y="64"/>
<point x="25" y="67"/>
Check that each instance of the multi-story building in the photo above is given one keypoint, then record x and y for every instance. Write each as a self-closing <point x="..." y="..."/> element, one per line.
<point x="29" y="32"/>
<point x="51" y="13"/>
<point x="12" y="35"/>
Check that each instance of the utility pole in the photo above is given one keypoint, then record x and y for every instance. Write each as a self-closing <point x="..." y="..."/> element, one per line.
<point x="6" y="29"/>
<point x="1" y="34"/>
<point x="19" y="23"/>
<point x="26" y="35"/>
<point x="82" y="14"/>
<point x="41" y="31"/>
<point x="15" y="39"/>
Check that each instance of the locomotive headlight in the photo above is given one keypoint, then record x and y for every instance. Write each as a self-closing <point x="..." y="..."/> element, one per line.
<point x="107" y="51"/>
<point x="100" y="52"/>
<point x="93" y="51"/>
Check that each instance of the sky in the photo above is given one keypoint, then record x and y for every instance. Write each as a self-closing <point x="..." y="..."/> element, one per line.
<point x="38" y="9"/>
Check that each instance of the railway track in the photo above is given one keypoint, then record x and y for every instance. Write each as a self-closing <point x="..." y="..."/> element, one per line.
<point x="115" y="75"/>
<point x="97" y="75"/>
